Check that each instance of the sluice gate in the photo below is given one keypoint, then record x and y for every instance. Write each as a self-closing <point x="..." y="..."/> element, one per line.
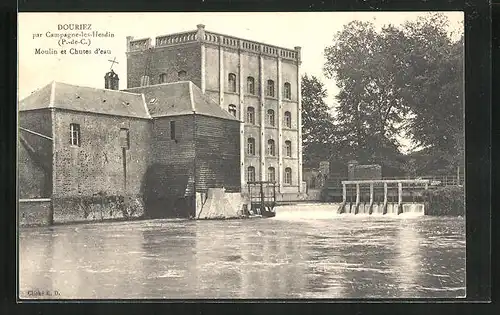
<point x="383" y="196"/>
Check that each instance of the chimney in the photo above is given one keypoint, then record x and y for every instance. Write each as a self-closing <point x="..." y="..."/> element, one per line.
<point x="111" y="81"/>
<point x="200" y="34"/>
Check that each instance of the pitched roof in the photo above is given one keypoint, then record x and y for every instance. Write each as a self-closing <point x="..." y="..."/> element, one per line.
<point x="86" y="99"/>
<point x="179" y="98"/>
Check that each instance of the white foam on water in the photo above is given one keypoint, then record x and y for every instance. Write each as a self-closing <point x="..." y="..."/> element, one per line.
<point x="321" y="211"/>
<point x="411" y="214"/>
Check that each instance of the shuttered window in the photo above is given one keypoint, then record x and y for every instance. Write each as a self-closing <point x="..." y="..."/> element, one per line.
<point x="124" y="138"/>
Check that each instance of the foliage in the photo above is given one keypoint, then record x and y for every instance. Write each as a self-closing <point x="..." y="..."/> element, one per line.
<point x="394" y="82"/>
<point x="449" y="200"/>
<point x="317" y="124"/>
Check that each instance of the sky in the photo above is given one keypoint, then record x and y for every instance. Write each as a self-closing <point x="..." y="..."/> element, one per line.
<point x="313" y="31"/>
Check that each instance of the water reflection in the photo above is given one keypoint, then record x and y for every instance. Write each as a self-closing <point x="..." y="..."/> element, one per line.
<point x="308" y="254"/>
<point x="408" y="259"/>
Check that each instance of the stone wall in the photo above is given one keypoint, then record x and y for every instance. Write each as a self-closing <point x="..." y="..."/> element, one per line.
<point x="83" y="174"/>
<point x="34" y="212"/>
<point x="168" y="60"/>
<point x="97" y="208"/>
<point x="32" y="178"/>
<point x="35" y="154"/>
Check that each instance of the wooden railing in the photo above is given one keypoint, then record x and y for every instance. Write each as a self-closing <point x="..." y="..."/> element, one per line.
<point x="368" y="188"/>
<point x="434" y="181"/>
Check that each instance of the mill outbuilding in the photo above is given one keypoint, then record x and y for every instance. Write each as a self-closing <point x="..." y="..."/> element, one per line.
<point x="201" y="111"/>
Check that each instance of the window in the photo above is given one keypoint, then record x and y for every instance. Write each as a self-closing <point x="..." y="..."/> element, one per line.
<point x="181" y="75"/>
<point x="232" y="109"/>
<point x="251" y="174"/>
<point x="251" y="85"/>
<point x="251" y="146"/>
<point x="74" y="131"/>
<point x="270" y="117"/>
<point x="288" y="119"/>
<point x="270" y="147"/>
<point x="250" y="115"/>
<point x="231" y="80"/>
<point x="124" y="138"/>
<point x="288" y="175"/>
<point x="288" y="148"/>
<point x="271" y="174"/>
<point x="270" y="88"/>
<point x="163" y="78"/>
<point x="313" y="182"/>
<point x="287" y="91"/>
<point x="172" y="130"/>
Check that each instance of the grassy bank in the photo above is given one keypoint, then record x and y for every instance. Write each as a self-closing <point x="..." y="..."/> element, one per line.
<point x="448" y="200"/>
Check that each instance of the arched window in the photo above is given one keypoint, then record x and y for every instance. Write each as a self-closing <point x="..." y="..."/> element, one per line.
<point x="251" y="85"/>
<point x="288" y="148"/>
<point x="270" y="147"/>
<point x="163" y="78"/>
<point x="250" y="174"/>
<point x="271" y="174"/>
<point x="288" y="175"/>
<point x="250" y="115"/>
<point x="287" y="91"/>
<point x="231" y="80"/>
<point x="270" y="117"/>
<point x="288" y="119"/>
<point x="181" y="75"/>
<point x="251" y="146"/>
<point x="270" y="88"/>
<point x="232" y="109"/>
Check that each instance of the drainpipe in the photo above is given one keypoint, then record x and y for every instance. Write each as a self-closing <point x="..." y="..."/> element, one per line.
<point x="384" y="211"/>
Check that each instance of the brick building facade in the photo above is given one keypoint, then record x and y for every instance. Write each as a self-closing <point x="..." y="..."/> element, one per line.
<point x="257" y="83"/>
<point x="104" y="154"/>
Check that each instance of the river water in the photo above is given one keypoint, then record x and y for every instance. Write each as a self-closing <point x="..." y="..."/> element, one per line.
<point x="304" y="252"/>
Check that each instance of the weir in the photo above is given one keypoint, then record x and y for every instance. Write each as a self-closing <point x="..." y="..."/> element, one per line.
<point x="395" y="196"/>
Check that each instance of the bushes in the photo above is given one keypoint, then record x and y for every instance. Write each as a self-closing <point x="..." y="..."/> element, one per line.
<point x="448" y="200"/>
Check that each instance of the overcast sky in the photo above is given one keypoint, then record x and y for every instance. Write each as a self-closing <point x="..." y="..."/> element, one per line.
<point x="313" y="31"/>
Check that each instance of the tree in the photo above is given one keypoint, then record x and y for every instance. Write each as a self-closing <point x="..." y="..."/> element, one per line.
<point x="398" y="81"/>
<point x="317" y="123"/>
<point x="363" y="63"/>
<point x="436" y="97"/>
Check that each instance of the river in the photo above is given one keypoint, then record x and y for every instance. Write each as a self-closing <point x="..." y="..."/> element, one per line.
<point x="304" y="252"/>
